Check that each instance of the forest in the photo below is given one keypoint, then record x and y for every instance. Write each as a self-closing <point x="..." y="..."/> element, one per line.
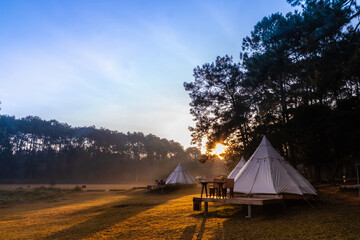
<point x="36" y="150"/>
<point x="297" y="82"/>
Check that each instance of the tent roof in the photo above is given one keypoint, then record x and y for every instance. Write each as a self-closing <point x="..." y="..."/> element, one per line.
<point x="267" y="172"/>
<point x="237" y="168"/>
<point x="180" y="176"/>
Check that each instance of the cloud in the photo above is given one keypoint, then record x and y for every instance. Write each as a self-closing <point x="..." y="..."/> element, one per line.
<point x="170" y="41"/>
<point x="98" y="80"/>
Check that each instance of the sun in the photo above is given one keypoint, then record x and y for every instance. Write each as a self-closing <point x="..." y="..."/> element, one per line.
<point x="219" y="150"/>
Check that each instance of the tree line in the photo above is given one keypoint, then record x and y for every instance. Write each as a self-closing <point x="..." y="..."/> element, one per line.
<point x="297" y="82"/>
<point x="33" y="149"/>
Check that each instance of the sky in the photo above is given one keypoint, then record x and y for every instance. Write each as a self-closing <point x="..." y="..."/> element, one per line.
<point x="116" y="64"/>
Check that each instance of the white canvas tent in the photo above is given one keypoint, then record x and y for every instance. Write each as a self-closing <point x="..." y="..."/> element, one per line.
<point x="237" y="168"/>
<point x="180" y="176"/>
<point x="266" y="172"/>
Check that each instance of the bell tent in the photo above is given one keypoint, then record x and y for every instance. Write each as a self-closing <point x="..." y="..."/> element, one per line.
<point x="237" y="168"/>
<point x="180" y="176"/>
<point x="266" y="172"/>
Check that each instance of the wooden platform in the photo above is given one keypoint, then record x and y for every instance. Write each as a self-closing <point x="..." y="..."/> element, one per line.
<point x="155" y="187"/>
<point x="244" y="200"/>
<point x="349" y="187"/>
<point x="259" y="201"/>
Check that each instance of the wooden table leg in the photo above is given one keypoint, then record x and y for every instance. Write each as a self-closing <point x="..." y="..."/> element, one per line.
<point x="205" y="208"/>
<point x="204" y="186"/>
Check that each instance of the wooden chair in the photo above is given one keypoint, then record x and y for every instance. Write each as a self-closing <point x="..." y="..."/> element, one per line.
<point x="229" y="184"/>
<point x="220" y="185"/>
<point x="213" y="189"/>
<point x="224" y="191"/>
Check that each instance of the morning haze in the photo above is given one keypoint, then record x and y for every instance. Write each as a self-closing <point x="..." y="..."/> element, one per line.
<point x="179" y="120"/>
<point x="116" y="64"/>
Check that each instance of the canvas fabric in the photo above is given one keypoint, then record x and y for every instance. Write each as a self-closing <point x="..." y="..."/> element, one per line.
<point x="180" y="176"/>
<point x="237" y="168"/>
<point x="266" y="172"/>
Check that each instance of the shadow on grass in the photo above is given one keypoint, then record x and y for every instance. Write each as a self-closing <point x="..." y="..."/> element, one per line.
<point x="266" y="212"/>
<point x="298" y="221"/>
<point x="112" y="214"/>
<point x="222" y="211"/>
<point x="202" y="229"/>
<point x="188" y="233"/>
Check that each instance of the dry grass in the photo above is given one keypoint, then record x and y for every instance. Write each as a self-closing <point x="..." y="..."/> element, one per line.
<point x="134" y="214"/>
<point x="29" y="195"/>
<point x="72" y="186"/>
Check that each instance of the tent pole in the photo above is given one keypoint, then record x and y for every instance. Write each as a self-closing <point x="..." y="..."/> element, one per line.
<point x="357" y="174"/>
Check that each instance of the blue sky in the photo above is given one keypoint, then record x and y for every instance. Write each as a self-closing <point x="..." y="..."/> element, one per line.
<point x="116" y="64"/>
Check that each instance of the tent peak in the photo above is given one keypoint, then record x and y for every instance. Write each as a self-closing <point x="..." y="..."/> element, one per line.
<point x="265" y="142"/>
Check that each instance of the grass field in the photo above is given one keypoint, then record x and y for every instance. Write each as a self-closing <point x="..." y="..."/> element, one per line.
<point x="71" y="186"/>
<point x="135" y="214"/>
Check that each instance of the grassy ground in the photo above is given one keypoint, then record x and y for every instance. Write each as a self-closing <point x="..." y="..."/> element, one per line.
<point x="135" y="214"/>
<point x="72" y="186"/>
<point x="8" y="198"/>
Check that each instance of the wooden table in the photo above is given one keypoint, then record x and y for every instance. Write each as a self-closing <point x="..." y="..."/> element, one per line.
<point x="204" y="187"/>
